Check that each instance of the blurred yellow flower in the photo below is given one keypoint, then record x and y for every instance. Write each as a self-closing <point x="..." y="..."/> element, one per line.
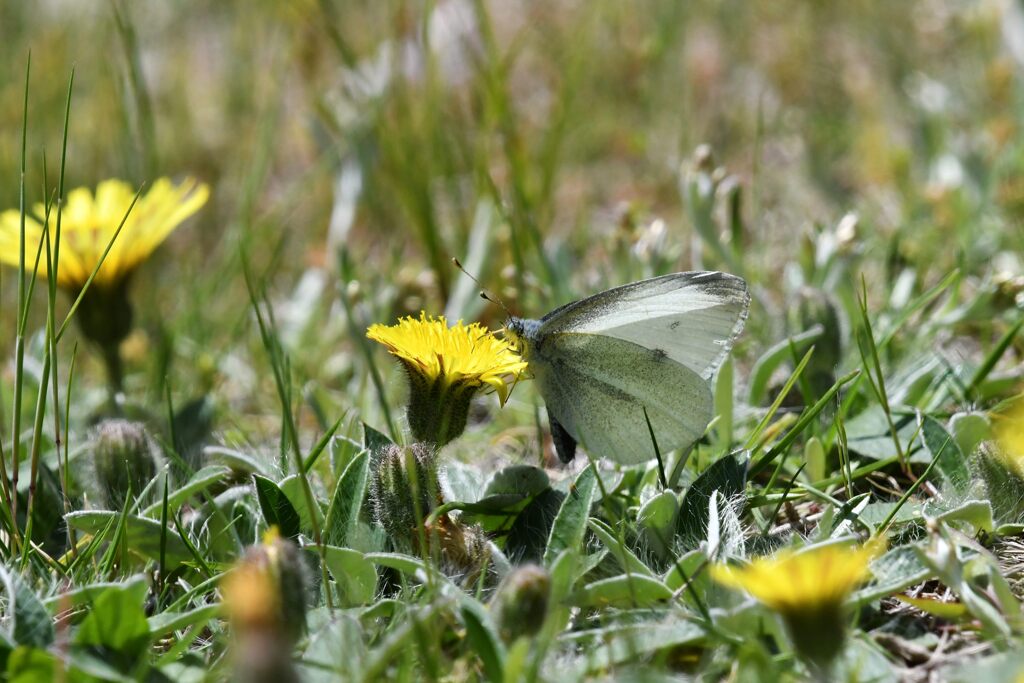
<point x="461" y="354"/>
<point x="89" y="222"/>
<point x="1009" y="432"/>
<point x="446" y="366"/>
<point x="265" y="589"/>
<point x="250" y="595"/>
<point x="808" y="590"/>
<point x="793" y="582"/>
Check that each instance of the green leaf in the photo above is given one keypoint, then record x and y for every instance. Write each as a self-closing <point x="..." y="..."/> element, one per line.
<point x="291" y="486"/>
<point x="200" y="481"/>
<point x="336" y="651"/>
<point x="657" y="518"/>
<point x="32" y="625"/>
<point x="976" y="513"/>
<point x="31" y="665"/>
<point x="969" y="430"/>
<point x="233" y="460"/>
<point x="117" y="623"/>
<point x="687" y="568"/>
<point x="571" y="522"/>
<point x="951" y="611"/>
<point x="949" y="460"/>
<point x="407" y="564"/>
<point x="625" y="590"/>
<point x="519" y="480"/>
<point x="168" y="622"/>
<point x="343" y="513"/>
<point x="868" y="434"/>
<point x="277" y="509"/>
<point x="894" y="571"/>
<point x="509" y="492"/>
<point x="355" y="575"/>
<point x="727" y="476"/>
<point x="142" y="535"/>
<point x="771" y="359"/>
<point x="527" y="537"/>
<point x="618" y="644"/>
<point x="483" y="639"/>
<point x="460" y="481"/>
<point x="375" y="441"/>
<point x="629" y="561"/>
<point x="76" y="597"/>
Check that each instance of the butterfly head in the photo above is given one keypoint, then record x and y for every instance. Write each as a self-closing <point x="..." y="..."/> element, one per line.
<point x="520" y="332"/>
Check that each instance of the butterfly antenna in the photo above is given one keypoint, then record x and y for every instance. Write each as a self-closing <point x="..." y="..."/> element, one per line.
<point x="484" y="294"/>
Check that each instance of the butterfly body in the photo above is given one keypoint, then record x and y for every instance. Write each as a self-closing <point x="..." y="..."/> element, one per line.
<point x="633" y="360"/>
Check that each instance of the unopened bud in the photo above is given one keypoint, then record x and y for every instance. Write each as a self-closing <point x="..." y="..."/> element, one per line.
<point x="404" y="489"/>
<point x="521" y="603"/>
<point x="264" y="598"/>
<point x="125" y="460"/>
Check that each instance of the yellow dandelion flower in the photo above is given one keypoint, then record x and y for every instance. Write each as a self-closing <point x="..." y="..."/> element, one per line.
<point x="808" y="590"/>
<point x="793" y="581"/>
<point x="459" y="354"/>
<point x="1008" y="427"/>
<point x="88" y="223"/>
<point x="446" y="366"/>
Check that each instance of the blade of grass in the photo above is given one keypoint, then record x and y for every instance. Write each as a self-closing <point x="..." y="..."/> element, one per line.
<point x="279" y="365"/>
<point x="872" y="363"/>
<point x="993" y="357"/>
<point x="50" y="353"/>
<point x="763" y="424"/>
<point x="360" y="338"/>
<point x="805" y="419"/>
<point x="321" y="445"/>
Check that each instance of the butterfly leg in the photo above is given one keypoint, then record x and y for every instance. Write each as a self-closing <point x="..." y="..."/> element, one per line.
<point x="565" y="445"/>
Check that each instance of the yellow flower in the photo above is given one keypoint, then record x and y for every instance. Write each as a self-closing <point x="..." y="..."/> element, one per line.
<point x="88" y="223"/>
<point x="808" y="590"/>
<point x="265" y="589"/>
<point x="792" y="581"/>
<point x="465" y="354"/>
<point x="446" y="366"/>
<point x="1009" y="432"/>
<point x="264" y="599"/>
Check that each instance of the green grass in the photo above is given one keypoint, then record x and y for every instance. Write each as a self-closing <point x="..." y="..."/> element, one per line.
<point x="866" y="183"/>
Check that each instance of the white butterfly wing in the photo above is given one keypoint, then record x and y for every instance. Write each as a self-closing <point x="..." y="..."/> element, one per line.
<point x="599" y="387"/>
<point x="692" y="317"/>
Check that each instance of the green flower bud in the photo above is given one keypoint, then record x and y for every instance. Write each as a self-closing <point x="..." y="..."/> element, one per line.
<point x="125" y="460"/>
<point x="404" y="489"/>
<point x="521" y="603"/>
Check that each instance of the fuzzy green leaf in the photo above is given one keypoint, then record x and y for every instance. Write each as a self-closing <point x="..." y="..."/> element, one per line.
<point x="625" y="590"/>
<point x="347" y="501"/>
<point x="31" y="624"/>
<point x="571" y="521"/>
<point x="277" y="509"/>
<point x="117" y="623"/>
<point x="200" y="481"/>
<point x="949" y="460"/>
<point x="142" y="535"/>
<point x="727" y="476"/>
<point x="355" y="575"/>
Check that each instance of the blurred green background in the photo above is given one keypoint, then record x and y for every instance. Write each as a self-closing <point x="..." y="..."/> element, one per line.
<point x="353" y="148"/>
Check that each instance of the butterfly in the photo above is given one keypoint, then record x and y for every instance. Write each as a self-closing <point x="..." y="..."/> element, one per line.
<point x="645" y="351"/>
